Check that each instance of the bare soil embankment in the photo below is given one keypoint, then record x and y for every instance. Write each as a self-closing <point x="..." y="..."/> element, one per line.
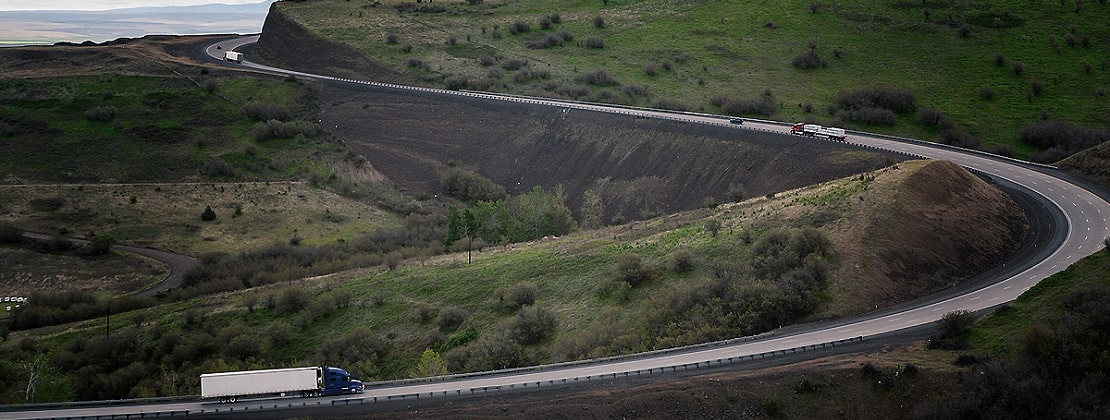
<point x="931" y="226"/>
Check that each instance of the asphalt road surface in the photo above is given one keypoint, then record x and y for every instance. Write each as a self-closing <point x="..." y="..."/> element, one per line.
<point x="1081" y="226"/>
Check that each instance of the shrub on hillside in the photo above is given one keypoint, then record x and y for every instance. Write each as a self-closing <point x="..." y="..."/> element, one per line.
<point x="466" y="184"/>
<point x="681" y="261"/>
<point x="869" y="116"/>
<point x="101" y="113"/>
<point x="516" y="296"/>
<point x="490" y="352"/>
<point x="425" y="312"/>
<point x="595" y="42"/>
<point x="958" y="138"/>
<point x="546" y="41"/>
<point x="263" y="111"/>
<point x="274" y="129"/>
<point x="519" y="27"/>
<point x="99" y="245"/>
<point x="533" y="324"/>
<point x="451" y="317"/>
<point x="761" y="105"/>
<point x="513" y="64"/>
<point x="671" y="104"/>
<point x="455" y="82"/>
<point x="9" y="234"/>
<point x="47" y="204"/>
<point x="955" y="323"/>
<point x="809" y="60"/>
<point x="931" y="117"/>
<point x="897" y="100"/>
<point x="598" y="77"/>
<point x="292" y="300"/>
<point x="1060" y="139"/>
<point x="208" y="214"/>
<point x="530" y="74"/>
<point x="599" y="22"/>
<point x="630" y="269"/>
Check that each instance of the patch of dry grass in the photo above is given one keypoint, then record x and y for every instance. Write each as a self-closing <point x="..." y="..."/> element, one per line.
<point x="248" y="214"/>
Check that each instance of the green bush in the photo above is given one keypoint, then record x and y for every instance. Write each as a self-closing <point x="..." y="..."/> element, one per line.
<point x="955" y="323"/>
<point x="762" y="105"/>
<point x="533" y="324"/>
<point x="274" y="129"/>
<point x="263" y="111"/>
<point x="630" y="270"/>
<point x="100" y="245"/>
<point x="682" y="261"/>
<point x="516" y="296"/>
<point x="595" y="42"/>
<point x="101" y="113"/>
<point x="292" y="300"/>
<point x="598" y="77"/>
<point x="425" y="312"/>
<point x="468" y="185"/>
<point x="896" y="100"/>
<point x="809" y="60"/>
<point x="451" y="317"/>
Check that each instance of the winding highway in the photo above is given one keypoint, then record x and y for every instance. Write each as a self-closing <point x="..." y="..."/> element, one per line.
<point x="1080" y="227"/>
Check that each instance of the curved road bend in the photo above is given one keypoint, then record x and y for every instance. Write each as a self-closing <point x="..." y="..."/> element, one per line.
<point x="1084" y="223"/>
<point x="177" y="263"/>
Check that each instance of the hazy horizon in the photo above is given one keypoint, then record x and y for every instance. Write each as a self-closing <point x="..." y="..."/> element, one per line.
<point x="165" y="17"/>
<point x="103" y="5"/>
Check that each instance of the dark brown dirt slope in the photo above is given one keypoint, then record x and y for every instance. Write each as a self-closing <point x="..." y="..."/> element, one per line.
<point x="640" y="166"/>
<point x="932" y="227"/>
<point x="286" y="44"/>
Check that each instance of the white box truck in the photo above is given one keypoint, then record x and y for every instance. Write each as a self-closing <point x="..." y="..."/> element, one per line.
<point x="306" y="381"/>
<point x="233" y="56"/>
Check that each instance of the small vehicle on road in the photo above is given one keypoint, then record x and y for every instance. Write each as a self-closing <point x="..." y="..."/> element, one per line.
<point x="737" y="121"/>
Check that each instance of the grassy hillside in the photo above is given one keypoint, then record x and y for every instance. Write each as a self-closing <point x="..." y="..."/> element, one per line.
<point x="992" y="67"/>
<point x="987" y="380"/>
<point x="749" y="266"/>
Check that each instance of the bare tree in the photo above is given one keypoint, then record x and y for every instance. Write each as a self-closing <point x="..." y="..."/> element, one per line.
<point x="33" y="369"/>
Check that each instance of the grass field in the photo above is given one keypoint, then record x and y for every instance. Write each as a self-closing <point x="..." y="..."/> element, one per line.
<point x="684" y="53"/>
<point x="384" y="318"/>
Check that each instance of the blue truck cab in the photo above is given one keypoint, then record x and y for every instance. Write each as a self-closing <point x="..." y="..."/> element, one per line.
<point x="337" y="381"/>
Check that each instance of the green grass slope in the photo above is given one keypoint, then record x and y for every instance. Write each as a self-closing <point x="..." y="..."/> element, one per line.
<point x="691" y="277"/>
<point x="992" y="67"/>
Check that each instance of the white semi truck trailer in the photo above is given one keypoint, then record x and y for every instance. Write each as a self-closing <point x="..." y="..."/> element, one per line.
<point x="306" y="381"/>
<point x="814" y="130"/>
<point x="233" y="56"/>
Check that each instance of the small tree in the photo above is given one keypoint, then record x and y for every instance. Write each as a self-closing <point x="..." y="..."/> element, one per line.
<point x="431" y="364"/>
<point x="100" y="245"/>
<point x="955" y="323"/>
<point x="593" y="210"/>
<point x="713" y="226"/>
<point x="208" y="215"/>
<point x="533" y="324"/>
<point x="630" y="269"/>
